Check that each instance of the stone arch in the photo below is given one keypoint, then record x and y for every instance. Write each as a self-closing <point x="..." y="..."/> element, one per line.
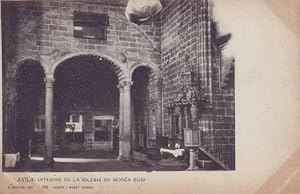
<point x="154" y="67"/>
<point x="26" y="61"/>
<point x="22" y="61"/>
<point x="118" y="67"/>
<point x="9" y="88"/>
<point x="155" y="101"/>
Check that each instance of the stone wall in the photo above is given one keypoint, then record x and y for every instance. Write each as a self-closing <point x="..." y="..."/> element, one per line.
<point x="43" y="28"/>
<point x="187" y="29"/>
<point x="179" y="30"/>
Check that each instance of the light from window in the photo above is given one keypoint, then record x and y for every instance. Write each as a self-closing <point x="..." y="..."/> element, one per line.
<point x="75" y="124"/>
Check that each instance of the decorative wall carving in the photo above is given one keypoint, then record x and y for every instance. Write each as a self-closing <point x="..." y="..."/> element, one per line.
<point x="188" y="93"/>
<point x="183" y="107"/>
<point x="122" y="57"/>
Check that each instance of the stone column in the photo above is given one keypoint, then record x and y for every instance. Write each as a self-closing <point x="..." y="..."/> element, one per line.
<point x="193" y="157"/>
<point x="121" y="115"/>
<point x="48" y="158"/>
<point x="133" y="125"/>
<point x="126" y="120"/>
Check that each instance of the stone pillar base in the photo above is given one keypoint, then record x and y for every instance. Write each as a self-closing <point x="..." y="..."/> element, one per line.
<point x="123" y="158"/>
<point x="126" y="148"/>
<point x="192" y="168"/>
<point x="47" y="164"/>
<point x="193" y="157"/>
<point x="48" y="161"/>
<point x="120" y="157"/>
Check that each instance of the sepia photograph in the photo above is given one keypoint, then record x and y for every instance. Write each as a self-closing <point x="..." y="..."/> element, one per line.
<point x="116" y="85"/>
<point x="150" y="96"/>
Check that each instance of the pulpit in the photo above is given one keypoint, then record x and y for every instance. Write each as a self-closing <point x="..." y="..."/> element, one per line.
<point x="192" y="140"/>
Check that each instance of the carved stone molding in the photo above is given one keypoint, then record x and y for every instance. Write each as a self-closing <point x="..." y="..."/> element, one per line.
<point x="125" y="84"/>
<point x="122" y="57"/>
<point x="49" y="81"/>
<point x="64" y="55"/>
<point x="188" y="93"/>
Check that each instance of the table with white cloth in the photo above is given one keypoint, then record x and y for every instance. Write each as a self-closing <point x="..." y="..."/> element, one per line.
<point x="174" y="152"/>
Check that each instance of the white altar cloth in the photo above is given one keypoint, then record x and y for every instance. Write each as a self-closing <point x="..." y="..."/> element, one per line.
<point x="174" y="152"/>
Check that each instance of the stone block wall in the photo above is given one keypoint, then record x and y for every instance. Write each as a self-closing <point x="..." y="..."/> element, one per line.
<point x="35" y="28"/>
<point x="179" y="30"/>
<point x="186" y="28"/>
<point x="224" y="111"/>
<point x="40" y="27"/>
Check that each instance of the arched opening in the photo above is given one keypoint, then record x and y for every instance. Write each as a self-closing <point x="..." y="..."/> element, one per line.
<point x="86" y="107"/>
<point x="145" y="103"/>
<point x="29" y="104"/>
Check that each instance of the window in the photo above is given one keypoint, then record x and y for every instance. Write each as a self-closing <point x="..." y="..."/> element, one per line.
<point x="103" y="122"/>
<point x="74" y="124"/>
<point x="100" y="124"/>
<point x="90" y="25"/>
<point x="103" y="127"/>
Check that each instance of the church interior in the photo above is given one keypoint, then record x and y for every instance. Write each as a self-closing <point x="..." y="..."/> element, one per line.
<point x="116" y="85"/>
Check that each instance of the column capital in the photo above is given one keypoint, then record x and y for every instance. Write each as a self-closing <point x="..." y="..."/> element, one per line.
<point x="125" y="84"/>
<point x="49" y="82"/>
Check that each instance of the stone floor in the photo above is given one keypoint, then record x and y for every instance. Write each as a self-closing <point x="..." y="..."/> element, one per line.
<point x="93" y="161"/>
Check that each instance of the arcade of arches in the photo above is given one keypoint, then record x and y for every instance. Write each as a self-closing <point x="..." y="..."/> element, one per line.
<point x="84" y="106"/>
<point x="150" y="88"/>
